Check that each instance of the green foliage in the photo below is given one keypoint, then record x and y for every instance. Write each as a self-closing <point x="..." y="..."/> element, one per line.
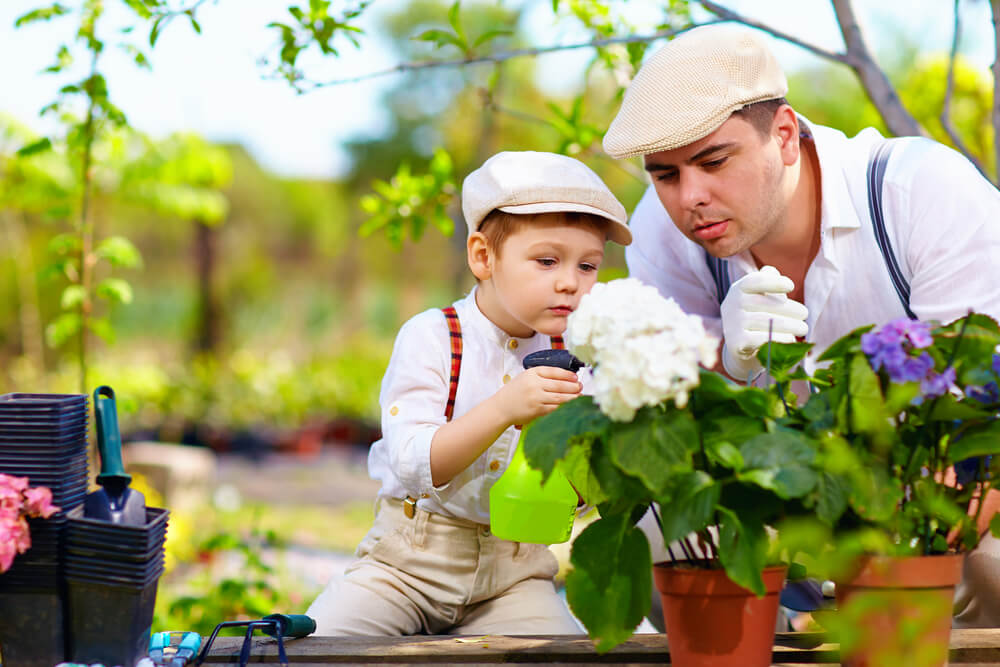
<point x="722" y="460"/>
<point x="890" y="441"/>
<point x="409" y="201"/>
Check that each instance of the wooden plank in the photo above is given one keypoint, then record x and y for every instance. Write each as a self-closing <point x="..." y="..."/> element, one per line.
<point x="967" y="647"/>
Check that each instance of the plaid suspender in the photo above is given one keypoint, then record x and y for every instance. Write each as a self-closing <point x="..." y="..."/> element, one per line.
<point x="455" y="335"/>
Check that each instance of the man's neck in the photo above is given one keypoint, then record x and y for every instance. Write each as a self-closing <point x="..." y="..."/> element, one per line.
<point x="797" y="246"/>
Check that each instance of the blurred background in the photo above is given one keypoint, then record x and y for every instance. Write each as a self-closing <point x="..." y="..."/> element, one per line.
<point x="225" y="211"/>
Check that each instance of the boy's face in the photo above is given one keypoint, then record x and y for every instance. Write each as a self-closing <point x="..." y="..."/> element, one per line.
<point x="545" y="267"/>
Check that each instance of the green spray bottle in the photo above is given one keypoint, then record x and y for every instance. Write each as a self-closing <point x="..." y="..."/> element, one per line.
<point x="522" y="509"/>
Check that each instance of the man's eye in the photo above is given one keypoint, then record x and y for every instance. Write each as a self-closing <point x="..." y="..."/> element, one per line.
<point x="712" y="164"/>
<point x="546" y="261"/>
<point x="666" y="176"/>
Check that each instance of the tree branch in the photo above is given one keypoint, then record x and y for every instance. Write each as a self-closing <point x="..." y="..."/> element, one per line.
<point x="873" y="79"/>
<point x="495" y="58"/>
<point x="726" y="14"/>
<point x="945" y="116"/>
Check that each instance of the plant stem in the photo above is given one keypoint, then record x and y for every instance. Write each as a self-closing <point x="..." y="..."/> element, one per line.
<point x="656" y="515"/>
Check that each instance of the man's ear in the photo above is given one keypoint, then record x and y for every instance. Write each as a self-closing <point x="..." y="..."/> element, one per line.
<point x="480" y="256"/>
<point x="785" y="130"/>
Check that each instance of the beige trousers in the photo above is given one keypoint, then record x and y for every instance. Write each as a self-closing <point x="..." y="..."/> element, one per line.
<point x="434" y="574"/>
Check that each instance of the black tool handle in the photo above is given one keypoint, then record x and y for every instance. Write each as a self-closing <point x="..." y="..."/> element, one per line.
<point x="556" y="358"/>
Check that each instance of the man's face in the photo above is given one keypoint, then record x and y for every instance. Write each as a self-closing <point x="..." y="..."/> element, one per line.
<point x="725" y="191"/>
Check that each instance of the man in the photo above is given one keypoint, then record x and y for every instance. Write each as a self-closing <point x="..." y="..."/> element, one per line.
<point x="757" y="219"/>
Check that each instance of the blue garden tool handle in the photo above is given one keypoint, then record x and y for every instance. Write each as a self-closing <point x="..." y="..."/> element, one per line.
<point x="109" y="441"/>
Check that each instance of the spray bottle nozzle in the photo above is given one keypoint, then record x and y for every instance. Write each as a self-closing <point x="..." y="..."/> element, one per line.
<point x="556" y="358"/>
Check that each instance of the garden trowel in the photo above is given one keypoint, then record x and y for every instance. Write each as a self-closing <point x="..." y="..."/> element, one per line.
<point x="115" y="501"/>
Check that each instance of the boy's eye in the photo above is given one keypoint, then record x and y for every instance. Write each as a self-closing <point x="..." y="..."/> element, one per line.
<point x="587" y="267"/>
<point x="546" y="261"/>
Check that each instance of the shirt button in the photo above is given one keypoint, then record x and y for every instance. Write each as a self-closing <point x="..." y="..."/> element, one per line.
<point x="394" y="411"/>
<point x="512" y="344"/>
<point x="494" y="465"/>
<point x="506" y="379"/>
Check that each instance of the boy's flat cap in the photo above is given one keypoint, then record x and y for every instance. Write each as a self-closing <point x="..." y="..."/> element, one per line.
<point x="524" y="182"/>
<point x="688" y="88"/>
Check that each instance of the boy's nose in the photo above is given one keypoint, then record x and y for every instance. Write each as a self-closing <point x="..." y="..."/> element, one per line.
<point x="567" y="281"/>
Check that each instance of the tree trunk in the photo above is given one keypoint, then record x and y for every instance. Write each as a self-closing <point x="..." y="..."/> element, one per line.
<point x="24" y="277"/>
<point x="207" y="337"/>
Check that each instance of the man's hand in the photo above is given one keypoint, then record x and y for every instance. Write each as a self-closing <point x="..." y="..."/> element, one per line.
<point x="754" y="304"/>
<point x="536" y="392"/>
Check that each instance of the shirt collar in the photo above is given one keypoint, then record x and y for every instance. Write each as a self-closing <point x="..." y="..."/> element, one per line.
<point x="484" y="326"/>
<point x="836" y="205"/>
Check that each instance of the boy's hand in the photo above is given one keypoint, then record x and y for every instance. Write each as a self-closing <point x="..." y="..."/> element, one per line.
<point x="536" y="392"/>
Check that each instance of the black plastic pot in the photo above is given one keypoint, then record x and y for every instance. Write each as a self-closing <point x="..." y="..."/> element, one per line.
<point x="108" y="623"/>
<point x="32" y="631"/>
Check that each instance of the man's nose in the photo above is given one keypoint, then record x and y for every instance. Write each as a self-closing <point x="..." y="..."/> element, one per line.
<point x="692" y="189"/>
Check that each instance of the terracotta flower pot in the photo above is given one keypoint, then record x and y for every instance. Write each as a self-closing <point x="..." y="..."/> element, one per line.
<point x="713" y="622"/>
<point x="898" y="610"/>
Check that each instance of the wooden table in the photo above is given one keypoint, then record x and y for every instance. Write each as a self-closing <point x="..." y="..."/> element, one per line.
<point x="968" y="647"/>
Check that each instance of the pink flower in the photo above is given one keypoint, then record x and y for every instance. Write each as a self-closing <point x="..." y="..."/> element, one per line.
<point x="38" y="502"/>
<point x="17" y="502"/>
<point x="16" y="483"/>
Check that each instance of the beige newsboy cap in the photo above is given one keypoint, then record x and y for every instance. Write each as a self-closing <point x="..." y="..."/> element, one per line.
<point x="532" y="182"/>
<point x="688" y="88"/>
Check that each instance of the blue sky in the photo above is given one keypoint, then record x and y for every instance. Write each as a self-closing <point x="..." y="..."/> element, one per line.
<point x="212" y="84"/>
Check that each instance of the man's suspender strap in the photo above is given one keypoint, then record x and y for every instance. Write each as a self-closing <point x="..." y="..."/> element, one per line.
<point x="455" y="336"/>
<point x="876" y="174"/>
<point x="877" y="161"/>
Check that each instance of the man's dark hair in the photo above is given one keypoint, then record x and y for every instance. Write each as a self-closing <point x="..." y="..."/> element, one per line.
<point x="761" y="114"/>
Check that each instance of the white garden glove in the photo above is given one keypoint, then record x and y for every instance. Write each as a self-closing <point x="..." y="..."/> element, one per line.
<point x="754" y="301"/>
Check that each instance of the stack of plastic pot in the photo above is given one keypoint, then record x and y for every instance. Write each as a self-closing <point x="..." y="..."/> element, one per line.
<point x="111" y="575"/>
<point x="42" y="437"/>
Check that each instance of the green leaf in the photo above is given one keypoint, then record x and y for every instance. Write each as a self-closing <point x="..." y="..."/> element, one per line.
<point x="41" y="14"/>
<point x="743" y="550"/>
<point x="831" y="500"/>
<point x="725" y="454"/>
<point x="62" y="329"/>
<point x="115" y="289"/>
<point x="654" y="446"/>
<point x="780" y="461"/>
<point x="490" y="35"/>
<point x="102" y="329"/>
<point x="576" y="466"/>
<point x="867" y="408"/>
<point x="784" y="356"/>
<point x="35" y="147"/>
<point x="995" y="525"/>
<point x="72" y="297"/>
<point x="609" y="588"/>
<point x="845" y="344"/>
<point x="977" y="441"/>
<point x="119" y="251"/>
<point x="691" y="506"/>
<point x="547" y="438"/>
<point x="948" y="408"/>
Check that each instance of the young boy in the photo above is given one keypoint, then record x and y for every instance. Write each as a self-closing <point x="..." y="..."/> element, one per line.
<point x="451" y="397"/>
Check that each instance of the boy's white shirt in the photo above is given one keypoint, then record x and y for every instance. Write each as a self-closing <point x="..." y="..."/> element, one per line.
<point x="413" y="397"/>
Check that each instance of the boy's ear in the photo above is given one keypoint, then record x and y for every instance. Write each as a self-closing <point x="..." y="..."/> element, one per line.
<point x="480" y="256"/>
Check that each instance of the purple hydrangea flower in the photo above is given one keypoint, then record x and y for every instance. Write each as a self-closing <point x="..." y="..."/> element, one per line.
<point x="937" y="384"/>
<point x="889" y="346"/>
<point x="996" y="364"/>
<point x="988" y="393"/>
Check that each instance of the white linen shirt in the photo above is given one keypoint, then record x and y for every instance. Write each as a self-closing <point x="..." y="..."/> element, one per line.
<point x="413" y="398"/>
<point x="942" y="218"/>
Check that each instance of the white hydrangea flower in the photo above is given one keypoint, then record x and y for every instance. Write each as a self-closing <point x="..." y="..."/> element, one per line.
<point x="644" y="349"/>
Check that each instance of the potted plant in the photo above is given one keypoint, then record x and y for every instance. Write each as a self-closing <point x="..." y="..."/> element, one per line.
<point x="713" y="455"/>
<point x="906" y="418"/>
